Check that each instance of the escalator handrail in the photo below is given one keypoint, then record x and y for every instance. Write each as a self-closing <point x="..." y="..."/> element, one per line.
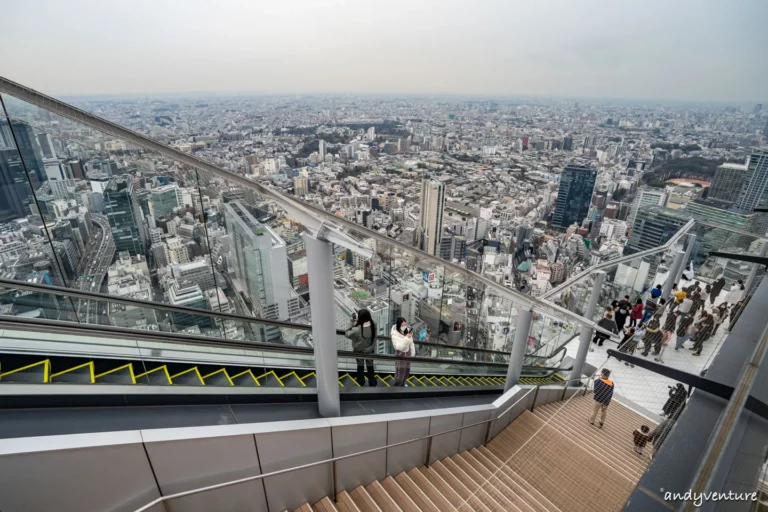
<point x="37" y="325"/>
<point x="67" y="292"/>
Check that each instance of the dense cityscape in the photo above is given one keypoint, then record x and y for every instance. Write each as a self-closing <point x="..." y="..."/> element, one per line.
<point x="524" y="192"/>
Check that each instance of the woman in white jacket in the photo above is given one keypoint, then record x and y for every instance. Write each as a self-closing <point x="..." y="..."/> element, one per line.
<point x="736" y="293"/>
<point x="404" y="348"/>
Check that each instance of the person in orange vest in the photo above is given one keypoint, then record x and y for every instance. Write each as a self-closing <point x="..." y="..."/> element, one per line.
<point x="602" y="395"/>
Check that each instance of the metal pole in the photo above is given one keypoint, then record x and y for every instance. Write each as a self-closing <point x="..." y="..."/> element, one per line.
<point x="688" y="250"/>
<point x="586" y="333"/>
<point x="753" y="273"/>
<point x="535" y="395"/>
<point x="320" y="270"/>
<point x="677" y="265"/>
<point x="516" y="357"/>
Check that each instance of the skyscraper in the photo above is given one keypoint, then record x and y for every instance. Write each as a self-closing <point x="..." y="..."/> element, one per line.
<point x="300" y="186"/>
<point x="15" y="194"/>
<point x="260" y="265"/>
<point x="727" y="182"/>
<point x="125" y="217"/>
<point x="653" y="227"/>
<point x="29" y="149"/>
<point x="646" y="197"/>
<point x="573" y="196"/>
<point x="164" y="199"/>
<point x="568" y="143"/>
<point x="431" y="216"/>
<point x="321" y="149"/>
<point x="753" y="191"/>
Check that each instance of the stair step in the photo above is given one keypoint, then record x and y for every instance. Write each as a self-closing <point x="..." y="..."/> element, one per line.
<point x="416" y="494"/>
<point x="481" y="494"/>
<point x="399" y="495"/>
<point x="497" y="478"/>
<point x="363" y="500"/>
<point x="345" y="503"/>
<point x="304" y="508"/>
<point x="493" y="486"/>
<point x="531" y="496"/>
<point x="382" y="498"/>
<point x="440" y="501"/>
<point x="442" y="486"/>
<point x="474" y="501"/>
<point x="325" y="505"/>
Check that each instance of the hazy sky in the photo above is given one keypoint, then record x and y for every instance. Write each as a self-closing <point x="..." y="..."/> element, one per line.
<point x="666" y="49"/>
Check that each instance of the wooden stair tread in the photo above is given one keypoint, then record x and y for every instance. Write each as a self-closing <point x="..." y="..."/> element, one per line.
<point x="397" y="493"/>
<point x="416" y="494"/>
<point x="363" y="500"/>
<point x="325" y="505"/>
<point x="382" y="498"/>
<point x="345" y="503"/>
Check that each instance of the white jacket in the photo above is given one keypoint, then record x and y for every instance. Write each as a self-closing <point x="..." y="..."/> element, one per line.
<point x="735" y="294"/>
<point x="402" y="343"/>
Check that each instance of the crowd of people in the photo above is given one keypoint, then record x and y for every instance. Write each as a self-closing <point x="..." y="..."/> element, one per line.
<point x="690" y="314"/>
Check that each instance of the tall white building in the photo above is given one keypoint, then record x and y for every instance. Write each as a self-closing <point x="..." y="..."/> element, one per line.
<point x="646" y="197"/>
<point x="321" y="149"/>
<point x="431" y="216"/>
<point x="260" y="265"/>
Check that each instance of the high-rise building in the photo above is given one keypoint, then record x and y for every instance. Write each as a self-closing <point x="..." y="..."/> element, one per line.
<point x="321" y="149"/>
<point x="574" y="195"/>
<point x="653" y="227"/>
<point x="124" y="215"/>
<point x="15" y="194"/>
<point x="727" y="182"/>
<point x="300" y="186"/>
<point x="260" y="265"/>
<point x="431" y="216"/>
<point x="190" y="295"/>
<point x="29" y="148"/>
<point x="647" y="197"/>
<point x="568" y="143"/>
<point x="753" y="191"/>
<point x="164" y="199"/>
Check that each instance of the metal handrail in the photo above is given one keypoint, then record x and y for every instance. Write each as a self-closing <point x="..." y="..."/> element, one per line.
<point x="610" y="263"/>
<point x="334" y="460"/>
<point x="184" y="339"/>
<point x="81" y="294"/>
<point x="80" y="116"/>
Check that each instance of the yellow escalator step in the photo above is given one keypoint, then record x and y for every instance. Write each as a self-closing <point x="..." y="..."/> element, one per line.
<point x="222" y="371"/>
<point x="128" y="367"/>
<point x="88" y="365"/>
<point x="295" y="375"/>
<point x="162" y="369"/>
<point x="246" y="372"/>
<point x="45" y="363"/>
<point x="189" y="370"/>
<point x="271" y="372"/>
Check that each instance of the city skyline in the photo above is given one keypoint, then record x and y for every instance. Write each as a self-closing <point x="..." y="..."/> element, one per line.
<point x="496" y="49"/>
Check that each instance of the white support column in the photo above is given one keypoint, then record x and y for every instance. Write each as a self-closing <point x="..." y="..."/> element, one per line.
<point x="677" y="265"/>
<point x="586" y="332"/>
<point x="321" y="301"/>
<point x="522" y="331"/>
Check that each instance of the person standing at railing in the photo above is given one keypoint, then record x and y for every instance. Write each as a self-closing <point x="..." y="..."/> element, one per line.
<point x="652" y="304"/>
<point x="636" y="314"/>
<point x="402" y="340"/>
<point x="720" y="313"/>
<point x="603" y="393"/>
<point x="717" y="287"/>
<point x="608" y="324"/>
<point x="736" y="293"/>
<point x="734" y="314"/>
<point x="362" y="333"/>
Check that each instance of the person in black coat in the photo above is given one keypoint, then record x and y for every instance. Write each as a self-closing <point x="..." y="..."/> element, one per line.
<point x="622" y="311"/>
<point x="677" y="397"/>
<point x="653" y="336"/>
<point x="608" y="324"/>
<point x="717" y="287"/>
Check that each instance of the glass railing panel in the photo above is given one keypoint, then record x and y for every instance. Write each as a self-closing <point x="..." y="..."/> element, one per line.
<point x="15" y="302"/>
<point x="126" y="221"/>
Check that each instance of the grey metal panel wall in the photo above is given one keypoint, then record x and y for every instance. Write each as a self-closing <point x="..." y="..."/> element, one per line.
<point x="473" y="436"/>
<point x="190" y="464"/>
<point x="411" y="455"/>
<point x="363" y="469"/>
<point x="290" y="448"/>
<point x="60" y="474"/>
<point x="447" y="444"/>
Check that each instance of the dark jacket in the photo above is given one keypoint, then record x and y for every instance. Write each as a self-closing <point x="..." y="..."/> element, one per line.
<point x="363" y="339"/>
<point x="716" y="289"/>
<point x="669" y="323"/>
<point x="706" y="327"/>
<point x="609" y="325"/>
<point x="603" y="391"/>
<point x="651" y="304"/>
